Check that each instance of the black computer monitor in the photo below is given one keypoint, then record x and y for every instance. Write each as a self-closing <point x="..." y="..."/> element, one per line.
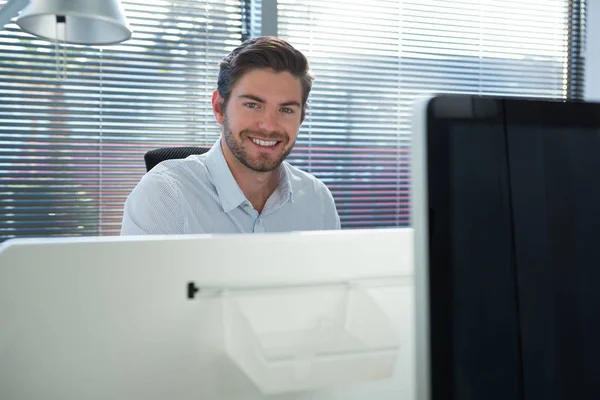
<point x="507" y="193"/>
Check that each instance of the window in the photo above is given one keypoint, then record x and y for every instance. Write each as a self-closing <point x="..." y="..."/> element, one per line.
<point x="373" y="59"/>
<point x="72" y="149"/>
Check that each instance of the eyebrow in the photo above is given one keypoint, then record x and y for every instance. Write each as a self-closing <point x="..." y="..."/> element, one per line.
<point x="259" y="100"/>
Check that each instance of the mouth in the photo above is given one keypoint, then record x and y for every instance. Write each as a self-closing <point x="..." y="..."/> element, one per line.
<point x="265" y="144"/>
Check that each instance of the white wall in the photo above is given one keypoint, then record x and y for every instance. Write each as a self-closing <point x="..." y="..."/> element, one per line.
<point x="592" y="52"/>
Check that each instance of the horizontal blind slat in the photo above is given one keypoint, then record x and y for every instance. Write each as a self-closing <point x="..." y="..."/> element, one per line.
<point x="66" y="171"/>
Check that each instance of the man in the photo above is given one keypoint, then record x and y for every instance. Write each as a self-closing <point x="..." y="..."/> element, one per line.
<point x="242" y="184"/>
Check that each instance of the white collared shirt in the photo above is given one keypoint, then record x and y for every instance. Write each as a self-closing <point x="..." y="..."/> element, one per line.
<point x="199" y="195"/>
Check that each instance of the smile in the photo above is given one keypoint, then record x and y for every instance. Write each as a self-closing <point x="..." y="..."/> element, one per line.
<point x="264" y="143"/>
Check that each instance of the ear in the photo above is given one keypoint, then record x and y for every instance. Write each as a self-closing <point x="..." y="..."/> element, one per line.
<point x="217" y="106"/>
<point x="302" y="114"/>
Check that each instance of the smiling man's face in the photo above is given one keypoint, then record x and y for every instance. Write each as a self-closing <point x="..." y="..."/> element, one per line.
<point x="262" y="118"/>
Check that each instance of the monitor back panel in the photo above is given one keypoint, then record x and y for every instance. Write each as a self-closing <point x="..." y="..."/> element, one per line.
<point x="513" y="244"/>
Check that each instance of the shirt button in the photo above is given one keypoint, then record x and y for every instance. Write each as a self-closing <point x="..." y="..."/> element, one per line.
<point x="258" y="227"/>
<point x="246" y="207"/>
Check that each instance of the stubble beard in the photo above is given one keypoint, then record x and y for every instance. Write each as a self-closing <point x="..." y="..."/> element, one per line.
<point x="265" y="163"/>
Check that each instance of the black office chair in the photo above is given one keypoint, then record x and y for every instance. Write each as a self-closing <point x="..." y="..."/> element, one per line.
<point x="154" y="157"/>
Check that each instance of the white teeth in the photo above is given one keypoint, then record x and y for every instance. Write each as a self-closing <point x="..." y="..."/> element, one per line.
<point x="264" y="142"/>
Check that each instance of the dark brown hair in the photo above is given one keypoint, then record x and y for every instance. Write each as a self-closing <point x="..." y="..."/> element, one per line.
<point x="265" y="52"/>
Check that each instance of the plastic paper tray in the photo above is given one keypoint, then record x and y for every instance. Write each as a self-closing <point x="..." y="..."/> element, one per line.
<point x="305" y="338"/>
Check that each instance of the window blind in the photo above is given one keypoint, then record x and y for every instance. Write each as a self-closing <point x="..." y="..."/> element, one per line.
<point x="373" y="59"/>
<point x="72" y="149"/>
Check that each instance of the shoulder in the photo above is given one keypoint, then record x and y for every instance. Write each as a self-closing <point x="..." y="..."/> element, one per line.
<point x="312" y="192"/>
<point x="179" y="173"/>
<point x="302" y="181"/>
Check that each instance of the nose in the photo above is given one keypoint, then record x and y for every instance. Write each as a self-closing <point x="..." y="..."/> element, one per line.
<point x="268" y="121"/>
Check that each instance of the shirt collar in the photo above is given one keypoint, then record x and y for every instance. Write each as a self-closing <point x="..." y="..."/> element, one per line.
<point x="285" y="183"/>
<point x="230" y="194"/>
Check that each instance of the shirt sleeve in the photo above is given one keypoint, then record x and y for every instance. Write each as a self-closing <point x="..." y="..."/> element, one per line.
<point x="331" y="218"/>
<point x="153" y="208"/>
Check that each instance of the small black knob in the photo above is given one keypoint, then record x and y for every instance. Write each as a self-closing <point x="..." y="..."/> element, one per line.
<point x="192" y="289"/>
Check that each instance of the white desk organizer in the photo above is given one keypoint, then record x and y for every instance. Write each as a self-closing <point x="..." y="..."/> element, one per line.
<point x="315" y="336"/>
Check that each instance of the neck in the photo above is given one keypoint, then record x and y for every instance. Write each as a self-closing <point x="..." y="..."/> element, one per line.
<point x="256" y="186"/>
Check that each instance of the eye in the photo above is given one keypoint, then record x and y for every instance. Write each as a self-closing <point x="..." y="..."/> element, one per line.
<point x="286" y="110"/>
<point x="251" y="105"/>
